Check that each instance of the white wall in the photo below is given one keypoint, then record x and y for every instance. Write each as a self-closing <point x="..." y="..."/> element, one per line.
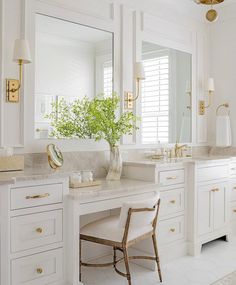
<point x="177" y="23"/>
<point x="223" y="66"/>
<point x="64" y="68"/>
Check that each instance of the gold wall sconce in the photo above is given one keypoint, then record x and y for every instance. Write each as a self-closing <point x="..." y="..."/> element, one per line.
<point x="21" y="56"/>
<point x="139" y="75"/>
<point x="202" y="103"/>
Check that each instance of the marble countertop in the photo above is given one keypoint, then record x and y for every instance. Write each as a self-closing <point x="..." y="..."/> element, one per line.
<point x="35" y="174"/>
<point x="13" y="177"/>
<point x="112" y="189"/>
<point x="178" y="161"/>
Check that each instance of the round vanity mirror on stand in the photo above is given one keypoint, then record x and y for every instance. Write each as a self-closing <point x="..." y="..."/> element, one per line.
<point x="55" y="157"/>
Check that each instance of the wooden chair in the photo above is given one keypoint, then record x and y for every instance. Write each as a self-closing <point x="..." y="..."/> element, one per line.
<point x="137" y="221"/>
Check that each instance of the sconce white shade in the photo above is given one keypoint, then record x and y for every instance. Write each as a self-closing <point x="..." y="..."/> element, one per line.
<point x="21" y="51"/>
<point x="211" y="84"/>
<point x="139" y="72"/>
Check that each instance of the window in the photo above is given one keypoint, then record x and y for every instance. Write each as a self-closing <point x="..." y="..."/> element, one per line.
<point x="155" y="99"/>
<point x="107" y="78"/>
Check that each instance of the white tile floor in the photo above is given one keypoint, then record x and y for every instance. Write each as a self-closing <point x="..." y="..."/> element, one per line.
<point x="218" y="259"/>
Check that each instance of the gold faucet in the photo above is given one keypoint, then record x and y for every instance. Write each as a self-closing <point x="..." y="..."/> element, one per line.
<point x="178" y="149"/>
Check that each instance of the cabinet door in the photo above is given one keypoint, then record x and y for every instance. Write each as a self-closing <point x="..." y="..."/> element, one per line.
<point x="220" y="206"/>
<point x="205" y="210"/>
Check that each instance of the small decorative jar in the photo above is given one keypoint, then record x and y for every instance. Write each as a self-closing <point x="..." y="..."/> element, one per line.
<point x="87" y="176"/>
<point x="75" y="178"/>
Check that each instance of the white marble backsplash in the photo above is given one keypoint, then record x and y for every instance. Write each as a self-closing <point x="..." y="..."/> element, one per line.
<point x="97" y="161"/>
<point x="225" y="151"/>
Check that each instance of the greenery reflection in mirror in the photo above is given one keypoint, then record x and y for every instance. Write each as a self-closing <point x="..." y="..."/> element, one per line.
<point x="72" y="62"/>
<point x="166" y="95"/>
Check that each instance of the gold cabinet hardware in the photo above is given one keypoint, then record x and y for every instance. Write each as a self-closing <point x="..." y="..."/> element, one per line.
<point x="171" y="177"/>
<point x="39" y="230"/>
<point x="39" y="270"/>
<point x="172" y="201"/>
<point x="38" y="196"/>
<point x="215" y="190"/>
<point x="172" y="230"/>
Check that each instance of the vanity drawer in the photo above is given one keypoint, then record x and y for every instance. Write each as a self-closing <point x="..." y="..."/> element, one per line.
<point x="172" y="202"/>
<point x="212" y="173"/>
<point x="233" y="212"/>
<point x="38" y="269"/>
<point x="36" y="230"/>
<point x="171" y="177"/>
<point x="32" y="196"/>
<point x="171" y="230"/>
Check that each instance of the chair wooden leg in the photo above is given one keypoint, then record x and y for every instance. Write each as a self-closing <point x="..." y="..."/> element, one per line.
<point x="114" y="256"/>
<point x="126" y="259"/>
<point x="80" y="260"/>
<point x="154" y="239"/>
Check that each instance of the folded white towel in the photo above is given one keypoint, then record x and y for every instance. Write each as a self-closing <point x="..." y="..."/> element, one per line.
<point x="223" y="131"/>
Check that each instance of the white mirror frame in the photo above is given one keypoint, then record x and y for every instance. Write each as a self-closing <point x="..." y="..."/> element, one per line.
<point x="143" y="33"/>
<point x="32" y="8"/>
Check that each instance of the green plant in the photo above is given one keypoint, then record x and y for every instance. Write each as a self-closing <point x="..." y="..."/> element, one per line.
<point x="70" y="120"/>
<point x="95" y="119"/>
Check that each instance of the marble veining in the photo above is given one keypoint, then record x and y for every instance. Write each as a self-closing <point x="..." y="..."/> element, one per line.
<point x="34" y="172"/>
<point x="96" y="161"/>
<point x="178" y="161"/>
<point x="112" y="189"/>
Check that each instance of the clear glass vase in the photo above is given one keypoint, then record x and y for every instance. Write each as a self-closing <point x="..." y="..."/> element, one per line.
<point x="115" y="167"/>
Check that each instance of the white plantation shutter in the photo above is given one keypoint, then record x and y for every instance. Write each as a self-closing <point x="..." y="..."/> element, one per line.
<point x="155" y="100"/>
<point x="107" y="78"/>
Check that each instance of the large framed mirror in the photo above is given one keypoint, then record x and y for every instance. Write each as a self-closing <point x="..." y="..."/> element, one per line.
<point x="71" y="61"/>
<point x="166" y="103"/>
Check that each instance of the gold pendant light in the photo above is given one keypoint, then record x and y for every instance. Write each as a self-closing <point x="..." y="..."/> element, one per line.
<point x="211" y="14"/>
<point x="210" y="2"/>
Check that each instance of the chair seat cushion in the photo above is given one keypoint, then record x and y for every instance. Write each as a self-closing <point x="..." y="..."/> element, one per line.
<point x="109" y="229"/>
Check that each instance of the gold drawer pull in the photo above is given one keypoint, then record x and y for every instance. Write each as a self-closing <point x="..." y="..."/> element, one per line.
<point x="39" y="270"/>
<point x="39" y="230"/>
<point x="172" y="201"/>
<point x="172" y="230"/>
<point x="215" y="190"/>
<point x="38" y="196"/>
<point x="172" y="177"/>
